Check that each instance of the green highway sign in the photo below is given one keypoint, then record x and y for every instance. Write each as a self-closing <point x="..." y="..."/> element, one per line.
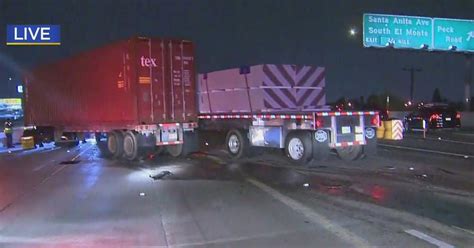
<point x="397" y="31"/>
<point x="413" y="32"/>
<point x="452" y="34"/>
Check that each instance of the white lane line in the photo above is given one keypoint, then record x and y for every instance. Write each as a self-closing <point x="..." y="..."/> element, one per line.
<point x="428" y="238"/>
<point x="309" y="213"/>
<point x="426" y="150"/>
<point x="64" y="166"/>
<point x="445" y="140"/>
<point x="465" y="230"/>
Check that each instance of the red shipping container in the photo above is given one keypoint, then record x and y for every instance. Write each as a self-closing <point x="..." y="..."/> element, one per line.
<point x="119" y="86"/>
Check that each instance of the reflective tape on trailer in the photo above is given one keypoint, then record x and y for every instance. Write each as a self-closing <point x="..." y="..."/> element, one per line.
<point x="145" y="127"/>
<point x="258" y="116"/>
<point x="190" y="125"/>
<point x="346" y="144"/>
<point x="168" y="125"/>
<point x="169" y="143"/>
<point x="346" y="113"/>
<point x="284" y="116"/>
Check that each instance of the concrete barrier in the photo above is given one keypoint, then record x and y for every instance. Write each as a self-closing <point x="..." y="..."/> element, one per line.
<point x="467" y="118"/>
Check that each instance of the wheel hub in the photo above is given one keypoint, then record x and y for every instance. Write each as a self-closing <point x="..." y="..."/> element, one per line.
<point x="234" y="144"/>
<point x="295" y="149"/>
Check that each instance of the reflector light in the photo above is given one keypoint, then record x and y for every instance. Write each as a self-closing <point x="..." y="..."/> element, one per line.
<point x="375" y="120"/>
<point x="319" y="123"/>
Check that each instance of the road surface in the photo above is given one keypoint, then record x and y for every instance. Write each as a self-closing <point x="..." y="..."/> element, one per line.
<point x="76" y="197"/>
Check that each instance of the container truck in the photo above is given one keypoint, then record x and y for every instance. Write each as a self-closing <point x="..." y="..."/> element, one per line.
<point x="142" y="93"/>
<point x="139" y="92"/>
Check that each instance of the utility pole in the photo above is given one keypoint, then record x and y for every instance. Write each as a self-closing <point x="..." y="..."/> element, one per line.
<point x="467" y="82"/>
<point x="412" y="71"/>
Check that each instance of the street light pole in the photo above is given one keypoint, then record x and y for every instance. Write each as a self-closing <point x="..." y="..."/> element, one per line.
<point x="412" y="71"/>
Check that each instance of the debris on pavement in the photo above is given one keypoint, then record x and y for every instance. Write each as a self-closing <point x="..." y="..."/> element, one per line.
<point x="161" y="175"/>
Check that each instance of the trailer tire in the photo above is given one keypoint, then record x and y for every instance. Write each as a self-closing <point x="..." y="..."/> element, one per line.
<point x="237" y="144"/>
<point x="299" y="147"/>
<point x="130" y="146"/>
<point x="350" y="153"/>
<point x="115" y="143"/>
<point x="190" y="144"/>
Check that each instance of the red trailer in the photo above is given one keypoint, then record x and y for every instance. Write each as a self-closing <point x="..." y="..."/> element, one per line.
<point x="140" y="92"/>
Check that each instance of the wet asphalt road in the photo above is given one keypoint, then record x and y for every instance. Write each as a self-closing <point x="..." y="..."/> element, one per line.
<point x="77" y="198"/>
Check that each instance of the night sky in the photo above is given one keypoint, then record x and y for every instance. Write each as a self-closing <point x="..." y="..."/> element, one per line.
<point x="230" y="33"/>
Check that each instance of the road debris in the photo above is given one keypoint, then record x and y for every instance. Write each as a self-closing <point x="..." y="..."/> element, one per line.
<point x="161" y="175"/>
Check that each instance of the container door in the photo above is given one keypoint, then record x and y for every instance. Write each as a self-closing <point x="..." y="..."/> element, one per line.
<point x="150" y="84"/>
<point x="182" y="90"/>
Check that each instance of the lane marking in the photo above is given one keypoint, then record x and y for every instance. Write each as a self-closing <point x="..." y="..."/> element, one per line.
<point x="309" y="213"/>
<point x="428" y="238"/>
<point x="232" y="240"/>
<point x="444" y="140"/>
<point x="465" y="230"/>
<point x="35" y="187"/>
<point x="426" y="150"/>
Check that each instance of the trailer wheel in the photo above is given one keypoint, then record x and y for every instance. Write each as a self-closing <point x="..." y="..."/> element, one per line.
<point x="115" y="143"/>
<point x="190" y="144"/>
<point x="349" y="153"/>
<point x="299" y="147"/>
<point x="130" y="146"/>
<point x="237" y="144"/>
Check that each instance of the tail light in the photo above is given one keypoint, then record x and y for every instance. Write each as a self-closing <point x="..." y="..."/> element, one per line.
<point x="375" y="120"/>
<point x="458" y="115"/>
<point x="319" y="123"/>
<point x="434" y="117"/>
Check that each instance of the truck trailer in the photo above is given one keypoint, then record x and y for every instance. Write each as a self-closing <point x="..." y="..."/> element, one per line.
<point x="139" y="93"/>
<point x="282" y="106"/>
<point x="142" y="93"/>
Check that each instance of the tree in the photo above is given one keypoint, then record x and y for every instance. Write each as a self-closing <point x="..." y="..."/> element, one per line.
<point x="436" y="96"/>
